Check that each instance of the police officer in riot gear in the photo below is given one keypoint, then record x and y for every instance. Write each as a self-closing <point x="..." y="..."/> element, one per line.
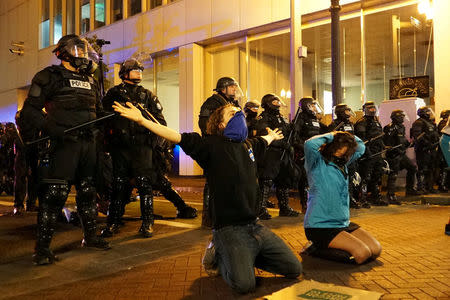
<point x="426" y="139"/>
<point x="251" y="112"/>
<point x="269" y="170"/>
<point x="307" y="126"/>
<point x="131" y="147"/>
<point x="70" y="97"/>
<point x="369" y="129"/>
<point x="394" y="136"/>
<point x="341" y="122"/>
<point x="443" y="172"/>
<point x="227" y="91"/>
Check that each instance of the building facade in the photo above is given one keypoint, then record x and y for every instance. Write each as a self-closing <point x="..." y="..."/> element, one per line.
<point x="195" y="42"/>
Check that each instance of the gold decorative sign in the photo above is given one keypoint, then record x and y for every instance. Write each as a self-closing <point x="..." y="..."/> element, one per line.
<point x="409" y="87"/>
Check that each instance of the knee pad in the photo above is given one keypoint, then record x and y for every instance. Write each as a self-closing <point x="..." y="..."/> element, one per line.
<point x="54" y="194"/>
<point x="144" y="185"/>
<point x="86" y="188"/>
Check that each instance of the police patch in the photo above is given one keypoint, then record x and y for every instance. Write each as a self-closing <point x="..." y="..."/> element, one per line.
<point x="80" y="84"/>
<point x="158" y="106"/>
<point x="348" y="128"/>
<point x="315" y="124"/>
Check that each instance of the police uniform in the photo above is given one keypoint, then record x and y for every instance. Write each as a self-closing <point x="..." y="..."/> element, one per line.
<point x="394" y="135"/>
<point x="70" y="99"/>
<point x="371" y="168"/>
<point x="131" y="148"/>
<point x="426" y="139"/>
<point x="270" y="169"/>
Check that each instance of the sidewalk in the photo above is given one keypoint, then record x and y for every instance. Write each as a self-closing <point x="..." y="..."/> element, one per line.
<point x="414" y="263"/>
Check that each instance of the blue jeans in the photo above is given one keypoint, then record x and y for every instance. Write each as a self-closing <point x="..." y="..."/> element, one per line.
<point x="239" y="249"/>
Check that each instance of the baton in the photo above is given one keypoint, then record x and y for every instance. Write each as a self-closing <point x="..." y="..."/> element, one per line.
<point x="73" y="128"/>
<point x="338" y="126"/>
<point x="383" y="151"/>
<point x="374" y="139"/>
<point x="143" y="109"/>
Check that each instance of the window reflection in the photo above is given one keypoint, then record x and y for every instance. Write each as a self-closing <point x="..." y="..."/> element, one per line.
<point x="85" y="14"/>
<point x="397" y="43"/>
<point x="70" y="15"/>
<point x="116" y="10"/>
<point x="57" y="20"/>
<point x="44" y="25"/>
<point x="134" y="7"/>
<point x="99" y="13"/>
<point x="154" y="3"/>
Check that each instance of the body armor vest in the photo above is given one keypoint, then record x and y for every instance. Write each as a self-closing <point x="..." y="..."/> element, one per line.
<point x="73" y="98"/>
<point x="346" y="126"/>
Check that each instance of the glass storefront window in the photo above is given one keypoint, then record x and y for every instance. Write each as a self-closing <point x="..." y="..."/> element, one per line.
<point x="134" y="7"/>
<point x="57" y="20"/>
<point x="154" y="3"/>
<point x="44" y="24"/>
<point x="317" y="65"/>
<point x="70" y="15"/>
<point x="116" y="10"/>
<point x="269" y="69"/>
<point x="167" y="87"/>
<point x="85" y="15"/>
<point x="99" y="13"/>
<point x="399" y="44"/>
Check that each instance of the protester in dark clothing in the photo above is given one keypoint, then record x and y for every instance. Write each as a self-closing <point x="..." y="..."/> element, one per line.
<point x="444" y="179"/>
<point x="227" y="91"/>
<point x="270" y="170"/>
<point x="229" y="160"/>
<point x="327" y="219"/>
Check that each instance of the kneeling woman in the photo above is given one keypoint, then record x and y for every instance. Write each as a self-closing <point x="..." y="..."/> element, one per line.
<point x="228" y="158"/>
<point x="327" y="219"/>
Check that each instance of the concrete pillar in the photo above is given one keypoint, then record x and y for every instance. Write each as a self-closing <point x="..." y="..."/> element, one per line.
<point x="336" y="87"/>
<point x="191" y="99"/>
<point x="296" y="62"/>
<point x="441" y="23"/>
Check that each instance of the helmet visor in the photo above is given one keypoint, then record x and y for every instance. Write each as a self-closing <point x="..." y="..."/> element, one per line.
<point x="371" y="110"/>
<point x="81" y="48"/>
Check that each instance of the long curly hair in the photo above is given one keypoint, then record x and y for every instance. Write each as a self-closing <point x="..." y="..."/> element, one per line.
<point x="213" y="125"/>
<point x="341" y="139"/>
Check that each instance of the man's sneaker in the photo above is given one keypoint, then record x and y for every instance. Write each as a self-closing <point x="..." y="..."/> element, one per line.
<point x="288" y="212"/>
<point x="209" y="260"/>
<point x="18" y="211"/>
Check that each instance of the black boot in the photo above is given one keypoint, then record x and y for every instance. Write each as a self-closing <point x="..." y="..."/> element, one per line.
<point x="184" y="211"/>
<point x="363" y="196"/>
<point x="265" y="194"/>
<point x="146" y="229"/>
<point x="283" y="202"/>
<point x="392" y="199"/>
<point x="110" y="230"/>
<point x="354" y="203"/>
<point x="87" y="211"/>
<point x="47" y="217"/>
<point x="443" y="182"/>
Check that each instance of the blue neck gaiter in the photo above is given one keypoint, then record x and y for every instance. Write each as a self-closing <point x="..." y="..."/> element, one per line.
<point x="236" y="129"/>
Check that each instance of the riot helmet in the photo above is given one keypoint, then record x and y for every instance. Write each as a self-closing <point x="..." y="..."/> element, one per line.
<point x="310" y="106"/>
<point x="129" y="65"/>
<point x="445" y="114"/>
<point x="426" y="113"/>
<point x="370" y="109"/>
<point x="233" y="93"/>
<point x="251" y="108"/>
<point x="342" y="112"/>
<point x="398" y="116"/>
<point x="271" y="102"/>
<point x="78" y="52"/>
